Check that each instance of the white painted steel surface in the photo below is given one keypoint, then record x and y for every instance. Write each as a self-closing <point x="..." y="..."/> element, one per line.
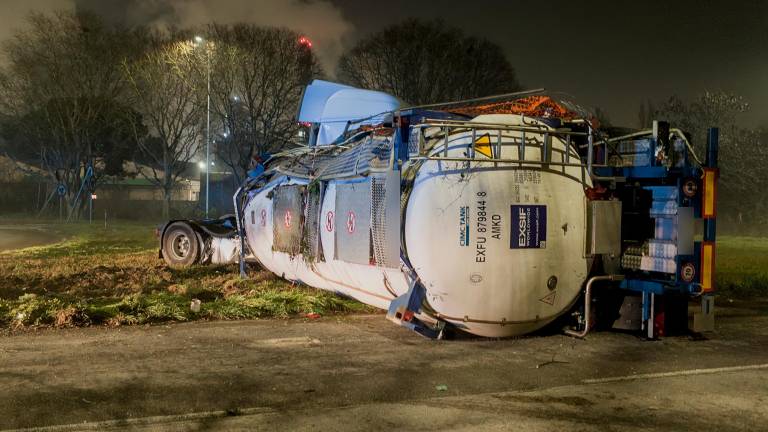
<point x="482" y="267"/>
<point x="472" y="273"/>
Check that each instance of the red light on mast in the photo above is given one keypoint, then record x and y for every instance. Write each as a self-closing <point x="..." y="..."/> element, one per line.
<point x="305" y="41"/>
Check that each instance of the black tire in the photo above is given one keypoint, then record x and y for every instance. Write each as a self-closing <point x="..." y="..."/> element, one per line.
<point x="180" y="245"/>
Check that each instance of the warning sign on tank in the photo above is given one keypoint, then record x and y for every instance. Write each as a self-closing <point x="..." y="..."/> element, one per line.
<point x="529" y="227"/>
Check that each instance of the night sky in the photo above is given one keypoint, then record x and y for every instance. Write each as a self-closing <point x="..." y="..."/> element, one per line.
<point x="610" y="54"/>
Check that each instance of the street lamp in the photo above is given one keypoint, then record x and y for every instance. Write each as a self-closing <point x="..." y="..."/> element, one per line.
<point x="198" y="41"/>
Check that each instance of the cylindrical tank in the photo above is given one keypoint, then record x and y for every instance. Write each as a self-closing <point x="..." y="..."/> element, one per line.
<point x="500" y="249"/>
<point x="499" y="246"/>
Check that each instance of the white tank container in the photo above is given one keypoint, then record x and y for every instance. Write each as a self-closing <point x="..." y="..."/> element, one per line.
<point x="500" y="250"/>
<point x="500" y="247"/>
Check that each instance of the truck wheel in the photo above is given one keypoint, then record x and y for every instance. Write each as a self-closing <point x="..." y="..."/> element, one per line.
<point x="180" y="245"/>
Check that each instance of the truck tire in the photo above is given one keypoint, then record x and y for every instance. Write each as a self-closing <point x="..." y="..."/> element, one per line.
<point x="180" y="245"/>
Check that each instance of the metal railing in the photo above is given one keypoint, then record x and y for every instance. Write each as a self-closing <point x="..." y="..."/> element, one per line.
<point x="438" y="143"/>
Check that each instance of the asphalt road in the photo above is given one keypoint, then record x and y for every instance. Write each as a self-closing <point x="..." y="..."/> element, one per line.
<point x="20" y="237"/>
<point x="363" y="373"/>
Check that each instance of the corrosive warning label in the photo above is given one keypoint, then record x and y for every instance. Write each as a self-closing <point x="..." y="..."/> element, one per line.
<point x="529" y="227"/>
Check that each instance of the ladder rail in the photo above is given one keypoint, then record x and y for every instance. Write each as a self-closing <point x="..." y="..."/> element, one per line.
<point x="546" y="147"/>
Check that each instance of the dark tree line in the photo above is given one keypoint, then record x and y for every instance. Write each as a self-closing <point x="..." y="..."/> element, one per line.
<point x="60" y="96"/>
<point x="75" y="93"/>
<point x="424" y="62"/>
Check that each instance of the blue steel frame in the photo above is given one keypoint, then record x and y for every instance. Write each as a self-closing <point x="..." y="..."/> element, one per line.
<point x="649" y="287"/>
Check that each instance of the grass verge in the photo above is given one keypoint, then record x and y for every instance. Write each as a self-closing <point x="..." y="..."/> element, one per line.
<point x="742" y="267"/>
<point x="113" y="277"/>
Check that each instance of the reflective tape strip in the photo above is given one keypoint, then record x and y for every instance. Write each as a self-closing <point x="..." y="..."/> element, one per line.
<point x="707" y="266"/>
<point x="710" y="193"/>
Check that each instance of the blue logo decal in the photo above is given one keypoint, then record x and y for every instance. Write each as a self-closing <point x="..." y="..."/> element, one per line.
<point x="529" y="227"/>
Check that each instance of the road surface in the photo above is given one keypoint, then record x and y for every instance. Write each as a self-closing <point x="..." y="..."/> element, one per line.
<point x="363" y="373"/>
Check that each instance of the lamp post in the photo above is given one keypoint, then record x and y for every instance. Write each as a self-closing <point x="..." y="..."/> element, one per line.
<point x="200" y="40"/>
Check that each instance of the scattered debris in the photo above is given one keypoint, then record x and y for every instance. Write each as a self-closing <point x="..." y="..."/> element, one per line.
<point x="441" y="387"/>
<point x="313" y="315"/>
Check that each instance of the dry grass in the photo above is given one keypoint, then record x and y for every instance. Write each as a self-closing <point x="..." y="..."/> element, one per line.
<point x="115" y="277"/>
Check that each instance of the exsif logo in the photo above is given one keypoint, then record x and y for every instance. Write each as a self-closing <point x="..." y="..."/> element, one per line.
<point x="523" y="230"/>
<point x="464" y="226"/>
<point x="529" y="227"/>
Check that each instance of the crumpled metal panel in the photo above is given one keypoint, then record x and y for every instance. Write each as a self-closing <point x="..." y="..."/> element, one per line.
<point x="287" y="218"/>
<point x="371" y="153"/>
<point x="353" y="222"/>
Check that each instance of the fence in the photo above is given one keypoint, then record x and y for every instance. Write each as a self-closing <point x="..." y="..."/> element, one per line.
<point x="118" y="202"/>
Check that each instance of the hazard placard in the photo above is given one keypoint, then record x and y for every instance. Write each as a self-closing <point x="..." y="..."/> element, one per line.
<point x="329" y="221"/>
<point x="483" y="145"/>
<point x="351" y="222"/>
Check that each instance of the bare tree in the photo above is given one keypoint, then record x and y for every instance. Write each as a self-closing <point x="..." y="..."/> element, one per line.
<point x="602" y="117"/>
<point x="165" y="89"/>
<point x="645" y="115"/>
<point x="743" y="178"/>
<point x="428" y="62"/>
<point x="61" y="89"/>
<point x="258" y="74"/>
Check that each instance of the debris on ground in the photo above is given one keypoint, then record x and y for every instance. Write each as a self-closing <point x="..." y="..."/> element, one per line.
<point x="441" y="387"/>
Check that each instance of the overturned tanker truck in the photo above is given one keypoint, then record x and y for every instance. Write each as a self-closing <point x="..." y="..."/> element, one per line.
<point x="493" y="216"/>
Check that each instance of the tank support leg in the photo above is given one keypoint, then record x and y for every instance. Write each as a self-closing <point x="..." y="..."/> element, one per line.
<point x="649" y="306"/>
<point x="704" y="319"/>
<point x="403" y="309"/>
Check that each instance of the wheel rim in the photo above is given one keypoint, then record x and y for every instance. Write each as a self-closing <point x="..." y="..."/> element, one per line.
<point x="180" y="246"/>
